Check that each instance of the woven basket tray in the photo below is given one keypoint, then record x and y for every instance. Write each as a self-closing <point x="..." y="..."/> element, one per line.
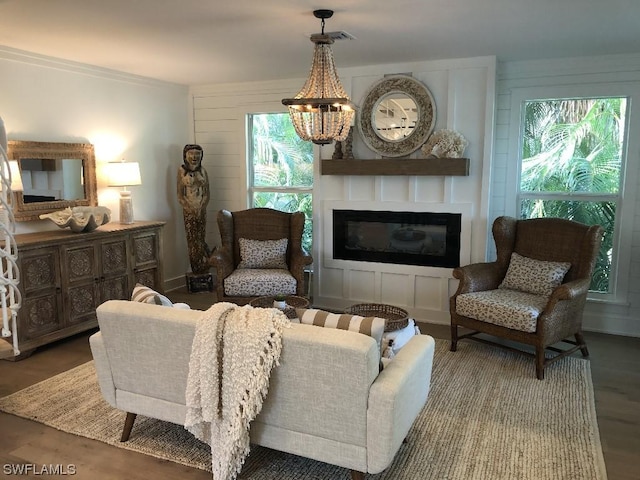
<point x="396" y="318"/>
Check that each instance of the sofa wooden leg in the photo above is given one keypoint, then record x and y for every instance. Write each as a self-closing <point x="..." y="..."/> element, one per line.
<point x="583" y="345"/>
<point x="355" y="475"/>
<point x="128" y="425"/>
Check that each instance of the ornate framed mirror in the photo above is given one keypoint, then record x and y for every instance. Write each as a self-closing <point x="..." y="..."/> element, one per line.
<point x="54" y="176"/>
<point x="397" y="116"/>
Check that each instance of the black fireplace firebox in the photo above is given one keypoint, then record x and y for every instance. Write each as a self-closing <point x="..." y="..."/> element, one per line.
<point x="410" y="238"/>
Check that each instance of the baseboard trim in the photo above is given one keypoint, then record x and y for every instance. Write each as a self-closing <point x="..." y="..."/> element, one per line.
<point x="611" y="324"/>
<point x="174" y="283"/>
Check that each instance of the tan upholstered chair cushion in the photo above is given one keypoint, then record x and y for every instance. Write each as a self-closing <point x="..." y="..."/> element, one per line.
<point x="534" y="276"/>
<point x="258" y="282"/>
<point x="507" y="308"/>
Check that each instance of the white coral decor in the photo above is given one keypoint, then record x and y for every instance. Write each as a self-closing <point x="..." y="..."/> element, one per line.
<point x="445" y="143"/>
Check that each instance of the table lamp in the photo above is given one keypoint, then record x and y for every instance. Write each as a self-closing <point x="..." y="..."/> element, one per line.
<point x="124" y="174"/>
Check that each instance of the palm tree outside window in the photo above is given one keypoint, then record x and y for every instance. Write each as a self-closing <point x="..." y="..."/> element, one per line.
<point x="280" y="168"/>
<point x="572" y="158"/>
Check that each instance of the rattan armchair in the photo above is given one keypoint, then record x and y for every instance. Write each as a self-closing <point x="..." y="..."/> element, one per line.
<point x="559" y="314"/>
<point x="259" y="224"/>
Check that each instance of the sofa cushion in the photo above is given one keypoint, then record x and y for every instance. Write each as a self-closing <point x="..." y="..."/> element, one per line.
<point x="534" y="276"/>
<point x="263" y="253"/>
<point x="258" y="282"/>
<point x="144" y="294"/>
<point x="507" y="308"/>
<point x="372" y="326"/>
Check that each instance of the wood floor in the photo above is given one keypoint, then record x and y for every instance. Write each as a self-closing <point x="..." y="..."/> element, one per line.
<point x="615" y="367"/>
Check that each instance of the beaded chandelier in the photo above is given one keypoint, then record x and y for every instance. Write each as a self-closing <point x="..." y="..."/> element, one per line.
<point x="321" y="112"/>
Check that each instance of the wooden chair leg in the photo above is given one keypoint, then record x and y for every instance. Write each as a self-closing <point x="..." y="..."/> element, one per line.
<point x="583" y="345"/>
<point x="454" y="338"/>
<point x="128" y="425"/>
<point x="540" y="362"/>
<point x="355" y="475"/>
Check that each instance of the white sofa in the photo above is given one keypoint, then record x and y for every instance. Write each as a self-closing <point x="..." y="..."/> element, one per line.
<point x="326" y="401"/>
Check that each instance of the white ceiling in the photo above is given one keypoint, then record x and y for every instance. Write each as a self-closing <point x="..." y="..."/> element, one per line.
<point x="196" y="42"/>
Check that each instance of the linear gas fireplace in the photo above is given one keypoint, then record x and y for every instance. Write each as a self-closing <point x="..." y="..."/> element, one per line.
<point x="411" y="238"/>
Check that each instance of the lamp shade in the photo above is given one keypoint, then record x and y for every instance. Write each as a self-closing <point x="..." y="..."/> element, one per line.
<point x="16" y="177"/>
<point x="123" y="174"/>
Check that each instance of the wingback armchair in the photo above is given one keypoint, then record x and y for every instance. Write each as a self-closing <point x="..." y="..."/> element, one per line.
<point x="535" y="291"/>
<point x="254" y="259"/>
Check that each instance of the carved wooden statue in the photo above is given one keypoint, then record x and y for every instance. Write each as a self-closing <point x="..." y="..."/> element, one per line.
<point x="193" y="195"/>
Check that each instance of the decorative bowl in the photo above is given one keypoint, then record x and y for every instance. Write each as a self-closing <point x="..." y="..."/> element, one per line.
<point x="80" y="219"/>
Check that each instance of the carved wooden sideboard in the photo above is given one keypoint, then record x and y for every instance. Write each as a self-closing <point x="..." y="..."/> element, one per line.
<point x="64" y="276"/>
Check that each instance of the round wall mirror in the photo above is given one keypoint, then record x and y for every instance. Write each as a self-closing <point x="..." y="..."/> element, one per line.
<point x="397" y="116"/>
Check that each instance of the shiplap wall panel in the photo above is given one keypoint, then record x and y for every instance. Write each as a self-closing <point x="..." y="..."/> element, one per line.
<point x="212" y="114"/>
<point x="209" y="137"/>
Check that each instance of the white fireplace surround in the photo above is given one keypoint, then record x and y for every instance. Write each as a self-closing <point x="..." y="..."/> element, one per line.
<point x="465" y="209"/>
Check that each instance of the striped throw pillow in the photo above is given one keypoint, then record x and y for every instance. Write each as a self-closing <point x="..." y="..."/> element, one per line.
<point x="144" y="294"/>
<point x="371" y="326"/>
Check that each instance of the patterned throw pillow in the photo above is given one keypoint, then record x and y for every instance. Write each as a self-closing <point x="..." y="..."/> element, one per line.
<point x="371" y="326"/>
<point x="534" y="276"/>
<point x="263" y="253"/>
<point x="144" y="294"/>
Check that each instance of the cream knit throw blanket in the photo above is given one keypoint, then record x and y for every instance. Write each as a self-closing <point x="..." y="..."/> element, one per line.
<point x="233" y="352"/>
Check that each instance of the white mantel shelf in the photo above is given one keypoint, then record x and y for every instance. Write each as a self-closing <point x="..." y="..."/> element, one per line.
<point x="396" y="166"/>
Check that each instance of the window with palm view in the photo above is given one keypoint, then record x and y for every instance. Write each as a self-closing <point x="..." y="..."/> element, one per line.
<point x="572" y="158"/>
<point x="280" y="168"/>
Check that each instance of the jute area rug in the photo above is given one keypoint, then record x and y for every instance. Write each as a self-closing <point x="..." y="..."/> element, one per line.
<point x="487" y="418"/>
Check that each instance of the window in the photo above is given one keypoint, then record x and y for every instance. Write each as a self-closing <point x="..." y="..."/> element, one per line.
<point x="572" y="153"/>
<point x="280" y="168"/>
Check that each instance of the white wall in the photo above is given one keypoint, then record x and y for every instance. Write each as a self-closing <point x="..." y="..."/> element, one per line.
<point x="614" y="75"/>
<point x="464" y="94"/>
<point x="143" y="120"/>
